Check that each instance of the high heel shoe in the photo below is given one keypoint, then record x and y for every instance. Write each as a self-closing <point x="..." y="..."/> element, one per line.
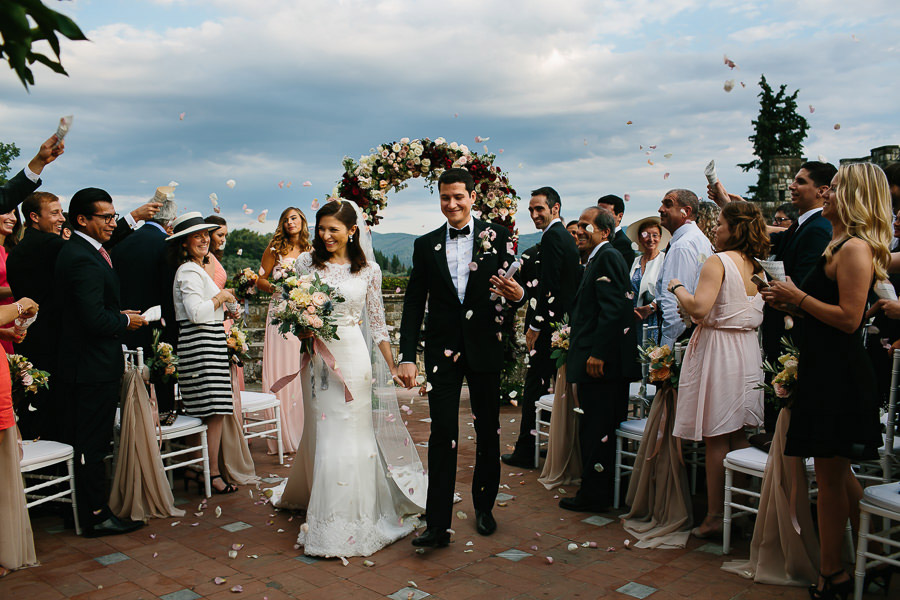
<point x="831" y="590"/>
<point x="881" y="577"/>
<point x="228" y="489"/>
<point x="715" y="532"/>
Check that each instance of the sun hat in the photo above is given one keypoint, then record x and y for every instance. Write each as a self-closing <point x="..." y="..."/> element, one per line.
<point x="634" y="228"/>
<point x="188" y="223"/>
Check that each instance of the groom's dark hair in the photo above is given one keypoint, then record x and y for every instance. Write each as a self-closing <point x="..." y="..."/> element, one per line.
<point x="456" y="176"/>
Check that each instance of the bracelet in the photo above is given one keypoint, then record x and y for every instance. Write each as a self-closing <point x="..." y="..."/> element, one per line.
<point x="676" y="287"/>
<point x="801" y="300"/>
<point x="19" y="308"/>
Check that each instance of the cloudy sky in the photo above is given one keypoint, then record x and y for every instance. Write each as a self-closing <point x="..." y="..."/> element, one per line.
<point x="282" y="90"/>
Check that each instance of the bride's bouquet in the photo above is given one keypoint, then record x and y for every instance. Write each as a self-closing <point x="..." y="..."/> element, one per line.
<point x="306" y="309"/>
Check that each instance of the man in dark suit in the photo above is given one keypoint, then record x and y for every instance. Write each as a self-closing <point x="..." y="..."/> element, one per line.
<point x="28" y="179"/>
<point x="618" y="239"/>
<point x="551" y="293"/>
<point x="602" y="358"/>
<point x="90" y="352"/>
<point x="27" y="266"/>
<point x="146" y="279"/>
<point x="462" y="340"/>
<point x="799" y="248"/>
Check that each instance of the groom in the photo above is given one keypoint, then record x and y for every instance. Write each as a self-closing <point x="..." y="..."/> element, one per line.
<point x="455" y="271"/>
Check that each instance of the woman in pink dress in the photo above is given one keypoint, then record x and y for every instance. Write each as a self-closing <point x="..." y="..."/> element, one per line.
<point x="281" y="356"/>
<point x="9" y="235"/>
<point x="718" y="391"/>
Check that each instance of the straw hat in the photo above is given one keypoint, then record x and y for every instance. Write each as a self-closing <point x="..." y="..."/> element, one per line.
<point x="189" y="223"/>
<point x="632" y="232"/>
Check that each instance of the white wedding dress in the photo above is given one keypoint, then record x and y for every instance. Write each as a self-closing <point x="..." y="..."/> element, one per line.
<point x="356" y="472"/>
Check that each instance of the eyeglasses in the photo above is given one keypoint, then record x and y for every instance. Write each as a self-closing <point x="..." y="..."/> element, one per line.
<point x="780" y="220"/>
<point x="107" y="218"/>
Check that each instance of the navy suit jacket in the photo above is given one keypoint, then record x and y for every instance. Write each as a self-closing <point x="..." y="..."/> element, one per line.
<point x="15" y="190"/>
<point x="92" y="325"/>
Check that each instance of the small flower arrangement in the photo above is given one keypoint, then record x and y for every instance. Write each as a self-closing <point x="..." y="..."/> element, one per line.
<point x="25" y="378"/>
<point x="784" y="375"/>
<point x="245" y="284"/>
<point x="306" y="308"/>
<point x="238" y="346"/>
<point x="664" y="368"/>
<point x="283" y="268"/>
<point x="559" y="342"/>
<point x="163" y="363"/>
<point x="483" y="242"/>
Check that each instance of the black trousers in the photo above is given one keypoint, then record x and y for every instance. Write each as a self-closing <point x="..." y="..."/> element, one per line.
<point x="605" y="405"/>
<point x="443" y="402"/>
<point x="92" y="413"/>
<point x="537" y="383"/>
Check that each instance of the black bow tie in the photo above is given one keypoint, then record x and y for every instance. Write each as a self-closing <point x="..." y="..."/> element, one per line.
<point x="454" y="233"/>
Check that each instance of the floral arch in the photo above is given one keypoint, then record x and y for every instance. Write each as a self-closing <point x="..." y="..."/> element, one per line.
<point x="392" y="165"/>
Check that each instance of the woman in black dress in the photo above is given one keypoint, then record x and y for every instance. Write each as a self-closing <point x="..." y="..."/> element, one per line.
<point x="835" y="409"/>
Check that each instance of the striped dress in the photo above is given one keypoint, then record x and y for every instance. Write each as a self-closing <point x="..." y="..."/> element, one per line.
<point x="203" y="371"/>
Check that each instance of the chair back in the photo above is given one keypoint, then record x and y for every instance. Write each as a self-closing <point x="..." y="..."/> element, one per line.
<point x="134" y="359"/>
<point x="891" y="425"/>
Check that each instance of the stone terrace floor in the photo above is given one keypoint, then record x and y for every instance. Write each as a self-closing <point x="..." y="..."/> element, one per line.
<point x="180" y="559"/>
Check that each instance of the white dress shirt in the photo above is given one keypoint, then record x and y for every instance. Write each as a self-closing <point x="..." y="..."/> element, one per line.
<point x="688" y="250"/>
<point x="805" y="216"/>
<point x="31" y="175"/>
<point x="459" y="255"/>
<point x="594" y="251"/>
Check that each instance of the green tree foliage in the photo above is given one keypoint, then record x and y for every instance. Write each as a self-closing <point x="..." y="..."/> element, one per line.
<point x="19" y="36"/>
<point x="8" y="153"/>
<point x="396" y="267"/>
<point x="251" y="246"/>
<point x="779" y="130"/>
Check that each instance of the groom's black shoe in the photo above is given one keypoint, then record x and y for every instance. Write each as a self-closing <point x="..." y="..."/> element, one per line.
<point x="516" y="460"/>
<point x="484" y="522"/>
<point x="432" y="538"/>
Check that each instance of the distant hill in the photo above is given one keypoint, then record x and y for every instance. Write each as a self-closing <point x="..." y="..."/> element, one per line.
<point x="401" y="244"/>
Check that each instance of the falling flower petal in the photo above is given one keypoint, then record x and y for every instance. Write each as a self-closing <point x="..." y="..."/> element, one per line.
<point x="237" y="589"/>
<point x="262" y="215"/>
<point x="315" y="204"/>
<point x="729" y="63"/>
<point x="479" y="139"/>
<point x="469" y="314"/>
<point x="649" y="162"/>
<point x="667" y="155"/>
<point x="628" y="122"/>
<point x="281" y="184"/>
<point x="181" y="116"/>
<point x="788" y="320"/>
<point x="627" y="543"/>
<point x="837" y="126"/>
<point x="231" y="183"/>
<point x="453" y="443"/>
<point x="665" y="175"/>
<point x="461" y="515"/>
<point x="812" y="109"/>
<point x="550" y="558"/>
<point x="232" y="554"/>
<point x="627" y="197"/>
<point x="729" y="85"/>
<point x="219" y="580"/>
<point x="572" y="547"/>
<point x="307" y="183"/>
<point x="473" y="266"/>
<point x="240" y="251"/>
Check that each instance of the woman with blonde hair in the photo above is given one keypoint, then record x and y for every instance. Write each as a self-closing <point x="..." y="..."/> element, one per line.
<point x="718" y="390"/>
<point x="835" y="405"/>
<point x="281" y="355"/>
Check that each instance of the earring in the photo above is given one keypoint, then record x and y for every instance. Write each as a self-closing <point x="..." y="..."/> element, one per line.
<point x="351" y="237"/>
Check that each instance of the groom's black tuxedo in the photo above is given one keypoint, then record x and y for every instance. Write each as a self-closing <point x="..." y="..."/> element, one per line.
<point x="462" y="340"/>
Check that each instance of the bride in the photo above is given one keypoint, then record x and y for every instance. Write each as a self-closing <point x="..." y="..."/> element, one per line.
<point x="356" y="473"/>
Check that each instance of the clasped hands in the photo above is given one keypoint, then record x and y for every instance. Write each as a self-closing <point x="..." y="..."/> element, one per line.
<point x="780" y="293"/>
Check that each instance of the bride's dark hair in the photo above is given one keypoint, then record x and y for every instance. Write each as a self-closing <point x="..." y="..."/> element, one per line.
<point x="344" y="212"/>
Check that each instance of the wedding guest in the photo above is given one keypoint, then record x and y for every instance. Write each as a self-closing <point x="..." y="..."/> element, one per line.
<point x="16" y="540"/>
<point x="552" y="292"/>
<point x="602" y="358"/>
<point x="217" y="238"/>
<point x="35" y="254"/>
<point x="785" y="215"/>
<point x="892" y="171"/>
<point x="618" y="240"/>
<point x="718" y="389"/>
<point x="684" y="257"/>
<point x="649" y="235"/>
<point x="708" y="220"/>
<point x="572" y="228"/>
<point x="280" y="353"/>
<point x="146" y="278"/>
<point x="10" y="228"/>
<point x="90" y="361"/>
<point x="204" y="377"/>
<point x="835" y="419"/>
<point x="28" y="179"/>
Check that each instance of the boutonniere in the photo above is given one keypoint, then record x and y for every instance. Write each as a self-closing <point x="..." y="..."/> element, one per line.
<point x="484" y="240"/>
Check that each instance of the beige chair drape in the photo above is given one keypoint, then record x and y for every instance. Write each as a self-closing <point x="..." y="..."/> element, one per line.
<point x="563" y="463"/>
<point x="140" y="489"/>
<point x="235" y="461"/>
<point x="16" y="541"/>
<point x="779" y="554"/>
<point x="658" y="492"/>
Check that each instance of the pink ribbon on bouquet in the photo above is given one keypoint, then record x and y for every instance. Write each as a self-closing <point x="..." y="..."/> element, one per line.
<point x="320" y="348"/>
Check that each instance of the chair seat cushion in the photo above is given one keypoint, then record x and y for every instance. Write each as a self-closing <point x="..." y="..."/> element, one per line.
<point x="749" y="458"/>
<point x="253" y="401"/>
<point x="634" y="426"/>
<point x="546" y="400"/>
<point x="40" y="451"/>
<point x="181" y="422"/>
<point x="886" y="495"/>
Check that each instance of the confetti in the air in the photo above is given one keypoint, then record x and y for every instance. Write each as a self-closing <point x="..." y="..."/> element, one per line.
<point x="231" y="183"/>
<point x="479" y="139"/>
<point x="262" y="215"/>
<point x="315" y="204"/>
<point x="627" y="197"/>
<point x="729" y="63"/>
<point x="181" y="116"/>
<point x="281" y="184"/>
<point x="837" y="126"/>
<point x="307" y="183"/>
<point x="247" y="211"/>
<point x="665" y="175"/>
<point x="812" y="109"/>
<point x="729" y="85"/>
<point x="667" y="155"/>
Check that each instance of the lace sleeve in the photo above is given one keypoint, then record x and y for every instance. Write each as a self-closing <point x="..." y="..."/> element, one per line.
<point x="303" y="264"/>
<point x="374" y="306"/>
